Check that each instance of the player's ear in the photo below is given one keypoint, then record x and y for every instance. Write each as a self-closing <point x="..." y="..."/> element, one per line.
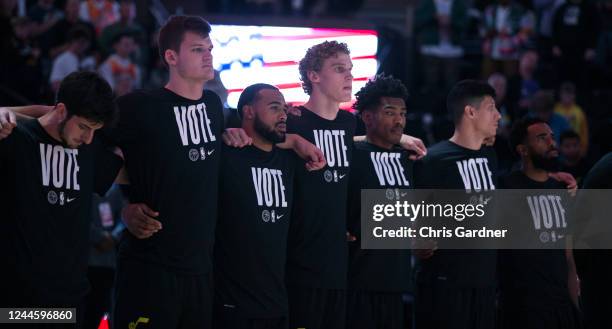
<point x="171" y="57"/>
<point x="469" y="111"/>
<point x="367" y="117"/>
<point x="313" y="76"/>
<point x="248" y="112"/>
<point x="521" y="150"/>
<point x="61" y="110"/>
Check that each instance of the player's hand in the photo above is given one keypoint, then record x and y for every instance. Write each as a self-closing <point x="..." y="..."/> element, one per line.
<point x="140" y="220"/>
<point x="573" y="285"/>
<point x="568" y="179"/>
<point x="413" y="144"/>
<point x="236" y="137"/>
<point x="350" y="237"/>
<point x="424" y="249"/>
<point x="314" y="157"/>
<point x="7" y="123"/>
<point x="106" y="244"/>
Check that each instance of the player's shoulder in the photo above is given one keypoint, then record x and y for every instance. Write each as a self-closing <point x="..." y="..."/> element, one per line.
<point x="440" y="151"/>
<point x="211" y="99"/>
<point x="346" y="117"/>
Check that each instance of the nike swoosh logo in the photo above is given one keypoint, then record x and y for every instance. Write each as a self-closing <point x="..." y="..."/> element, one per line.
<point x="70" y="200"/>
<point x="404" y="194"/>
<point x="341" y="176"/>
<point x="280" y="216"/>
<point x="210" y="152"/>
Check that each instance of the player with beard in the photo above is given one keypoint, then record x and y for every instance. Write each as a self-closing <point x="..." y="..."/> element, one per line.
<point x="251" y="244"/>
<point x="378" y="278"/>
<point x="539" y="288"/>
<point x="456" y="288"/>
<point x="50" y="168"/>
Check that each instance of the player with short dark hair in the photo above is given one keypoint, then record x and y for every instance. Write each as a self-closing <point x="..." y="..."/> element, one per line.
<point x="171" y="138"/>
<point x="256" y="196"/>
<point x="456" y="288"/>
<point x="50" y="168"/>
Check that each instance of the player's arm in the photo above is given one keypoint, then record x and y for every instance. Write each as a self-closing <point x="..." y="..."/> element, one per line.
<point x="566" y="178"/>
<point x="314" y="157"/>
<point x="237" y="137"/>
<point x="407" y="142"/>
<point x="30" y="111"/>
<point x="573" y="281"/>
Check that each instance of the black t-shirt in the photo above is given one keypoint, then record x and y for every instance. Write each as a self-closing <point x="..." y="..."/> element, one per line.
<point x="449" y="166"/>
<point x="374" y="167"/>
<point x="172" y="148"/>
<point x="256" y="195"/>
<point x="317" y="249"/>
<point x="537" y="277"/>
<point x="595" y="265"/>
<point x="46" y="201"/>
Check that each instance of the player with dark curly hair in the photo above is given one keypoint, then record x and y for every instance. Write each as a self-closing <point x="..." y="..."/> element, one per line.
<point x="378" y="278"/>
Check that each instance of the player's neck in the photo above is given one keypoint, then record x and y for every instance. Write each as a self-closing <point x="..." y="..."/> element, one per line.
<point x="322" y="106"/>
<point x="536" y="174"/>
<point x="468" y="139"/>
<point x="258" y="141"/>
<point x="50" y="123"/>
<point x="190" y="89"/>
<point x="375" y="140"/>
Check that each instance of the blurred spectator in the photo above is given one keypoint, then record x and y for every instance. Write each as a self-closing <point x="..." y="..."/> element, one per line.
<point x="604" y="47"/>
<point x="105" y="230"/>
<point x="8" y="40"/>
<point x="573" y="158"/>
<point x="575" y="33"/>
<point x="542" y="106"/>
<point x="499" y="142"/>
<point x="58" y="35"/>
<point x="523" y="86"/>
<point x="71" y="59"/>
<point x="44" y="14"/>
<point x="545" y="12"/>
<point x="118" y="69"/>
<point x="440" y="26"/>
<point x="507" y="28"/>
<point x="499" y="82"/>
<point x="126" y="23"/>
<point x="574" y="114"/>
<point x="29" y="82"/>
<point x="100" y="13"/>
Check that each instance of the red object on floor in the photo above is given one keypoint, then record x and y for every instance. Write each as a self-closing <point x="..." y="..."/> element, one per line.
<point x="104" y="322"/>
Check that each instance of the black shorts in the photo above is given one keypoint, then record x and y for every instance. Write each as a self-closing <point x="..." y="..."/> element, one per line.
<point x="559" y="315"/>
<point x="446" y="306"/>
<point x="228" y="318"/>
<point x="365" y="310"/>
<point x="315" y="308"/>
<point x="160" y="298"/>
